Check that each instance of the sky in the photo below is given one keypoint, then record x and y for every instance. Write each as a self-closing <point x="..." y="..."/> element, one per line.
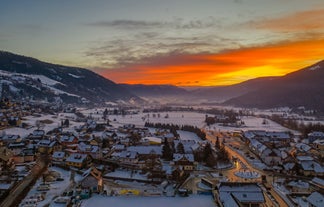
<point x="179" y="42"/>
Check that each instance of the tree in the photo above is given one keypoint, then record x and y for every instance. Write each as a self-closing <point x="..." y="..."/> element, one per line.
<point x="217" y="143"/>
<point x="67" y="123"/>
<point x="105" y="113"/>
<point x="211" y="160"/>
<point x="207" y="151"/>
<point x="167" y="152"/>
<point x="180" y="148"/>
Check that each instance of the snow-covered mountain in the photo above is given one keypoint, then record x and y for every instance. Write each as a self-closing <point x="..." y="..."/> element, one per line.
<point x="303" y="88"/>
<point x="22" y="76"/>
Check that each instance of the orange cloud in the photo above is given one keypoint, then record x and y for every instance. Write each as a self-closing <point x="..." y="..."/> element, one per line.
<point x="223" y="68"/>
<point x="300" y="22"/>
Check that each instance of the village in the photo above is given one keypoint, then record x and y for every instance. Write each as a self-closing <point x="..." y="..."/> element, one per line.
<point x="68" y="156"/>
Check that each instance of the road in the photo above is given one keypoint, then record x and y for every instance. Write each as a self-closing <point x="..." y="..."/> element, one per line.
<point x="17" y="193"/>
<point x="242" y="161"/>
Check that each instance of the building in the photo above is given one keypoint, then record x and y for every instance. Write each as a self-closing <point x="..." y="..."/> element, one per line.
<point x="78" y="160"/>
<point x="316" y="200"/>
<point x="239" y="195"/>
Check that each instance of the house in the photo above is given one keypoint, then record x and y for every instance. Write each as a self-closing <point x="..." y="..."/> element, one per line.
<point x="92" y="180"/>
<point x="311" y="168"/>
<point x="319" y="144"/>
<point x="184" y="162"/>
<point x="317" y="184"/>
<point x="239" y="194"/>
<point x="314" y="136"/>
<point x="58" y="157"/>
<point x="145" y="152"/>
<point x="271" y="157"/>
<point x="6" y="160"/>
<point x="46" y="146"/>
<point x="7" y="139"/>
<point x="78" y="160"/>
<point x="17" y="147"/>
<point x="37" y="135"/>
<point x="298" y="186"/>
<point x="128" y="157"/>
<point x="67" y="140"/>
<point x="316" y="199"/>
<point x="26" y="155"/>
<point x="92" y="150"/>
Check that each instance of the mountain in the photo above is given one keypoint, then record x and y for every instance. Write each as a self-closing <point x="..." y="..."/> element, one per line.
<point x="304" y="87"/>
<point x="155" y="90"/>
<point x="223" y="93"/>
<point x="29" y="77"/>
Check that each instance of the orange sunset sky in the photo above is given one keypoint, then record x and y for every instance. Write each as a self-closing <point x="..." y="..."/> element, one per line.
<point x="179" y="42"/>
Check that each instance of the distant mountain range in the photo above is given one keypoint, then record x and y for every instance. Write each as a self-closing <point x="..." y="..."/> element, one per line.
<point x="303" y="88"/>
<point x="22" y="76"/>
<point x="29" y="77"/>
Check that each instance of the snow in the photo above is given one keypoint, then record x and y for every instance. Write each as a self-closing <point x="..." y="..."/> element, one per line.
<point x="56" y="188"/>
<point x="184" y="135"/>
<point x="75" y="76"/>
<point x="247" y="174"/>
<point x="13" y="89"/>
<point x="58" y="91"/>
<point x="179" y="118"/>
<point x="192" y="201"/>
<point x="126" y="175"/>
<point x="45" y="80"/>
<point x="17" y="131"/>
<point x="315" y="67"/>
<point x="253" y="123"/>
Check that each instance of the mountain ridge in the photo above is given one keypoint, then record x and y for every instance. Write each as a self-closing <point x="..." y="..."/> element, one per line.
<point x="71" y="80"/>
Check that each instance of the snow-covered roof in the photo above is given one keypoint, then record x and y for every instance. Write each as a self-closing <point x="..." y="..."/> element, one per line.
<point x="189" y="157"/>
<point x="76" y="157"/>
<point x="153" y="139"/>
<point x="304" y="158"/>
<point x="299" y="184"/>
<point x="58" y="155"/>
<point x="66" y="138"/>
<point x="312" y="166"/>
<point x="303" y="147"/>
<point x="316" y="134"/>
<point x="145" y="150"/>
<point x="316" y="199"/>
<point x="229" y="193"/>
<point x="318" y="181"/>
<point x="128" y="154"/>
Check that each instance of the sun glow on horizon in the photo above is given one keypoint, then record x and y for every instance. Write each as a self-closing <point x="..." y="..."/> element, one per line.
<point x="222" y="68"/>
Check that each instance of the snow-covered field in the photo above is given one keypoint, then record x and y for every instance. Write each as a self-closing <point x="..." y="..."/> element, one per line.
<point x="253" y="123"/>
<point x="179" y="118"/>
<point x="51" y="122"/>
<point x="132" y="201"/>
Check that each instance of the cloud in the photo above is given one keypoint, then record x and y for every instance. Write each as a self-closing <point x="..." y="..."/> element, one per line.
<point x="128" y="24"/>
<point x="302" y="21"/>
<point x="227" y="67"/>
<point x="176" y="23"/>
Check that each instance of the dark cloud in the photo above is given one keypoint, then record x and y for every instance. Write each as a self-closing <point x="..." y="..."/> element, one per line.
<point x="127" y="24"/>
<point x="176" y="23"/>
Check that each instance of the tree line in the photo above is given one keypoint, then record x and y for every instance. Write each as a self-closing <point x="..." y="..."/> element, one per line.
<point x="305" y="129"/>
<point x="173" y="129"/>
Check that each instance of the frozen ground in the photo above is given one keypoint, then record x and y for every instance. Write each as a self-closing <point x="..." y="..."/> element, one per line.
<point x="179" y="118"/>
<point x="51" y="122"/>
<point x="253" y="123"/>
<point x="132" y="201"/>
